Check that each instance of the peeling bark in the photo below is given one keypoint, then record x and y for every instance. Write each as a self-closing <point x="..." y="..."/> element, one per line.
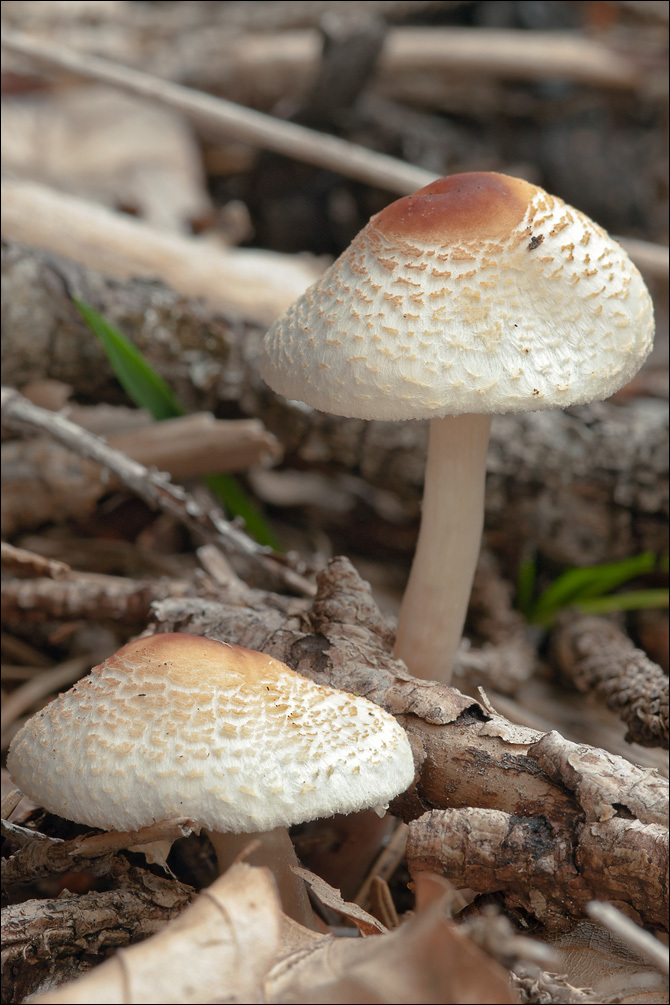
<point x="595" y="655"/>
<point x="46" y="942"/>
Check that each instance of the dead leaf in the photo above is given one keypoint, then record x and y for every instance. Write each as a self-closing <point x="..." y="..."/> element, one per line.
<point x="330" y="897"/>
<point x="593" y="957"/>
<point x="427" y="960"/>
<point x="225" y="940"/>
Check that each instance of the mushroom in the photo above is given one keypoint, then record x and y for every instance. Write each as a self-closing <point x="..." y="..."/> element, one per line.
<point x="478" y="294"/>
<point x="176" y="725"/>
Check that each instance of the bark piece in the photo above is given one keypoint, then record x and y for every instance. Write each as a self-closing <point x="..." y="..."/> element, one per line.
<point x="27" y="563"/>
<point x="88" y="595"/>
<point x="46" y="942"/>
<point x="526" y="859"/>
<point x="595" y="655"/>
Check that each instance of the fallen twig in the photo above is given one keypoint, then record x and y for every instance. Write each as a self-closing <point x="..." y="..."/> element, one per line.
<point x="191" y="446"/>
<point x="595" y="655"/>
<point x="27" y="563"/>
<point x="233" y="120"/>
<point x="256" y="284"/>
<point x="19" y="414"/>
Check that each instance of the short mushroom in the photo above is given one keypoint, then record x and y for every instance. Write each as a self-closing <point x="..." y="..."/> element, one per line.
<point x="177" y="725"/>
<point x="476" y="295"/>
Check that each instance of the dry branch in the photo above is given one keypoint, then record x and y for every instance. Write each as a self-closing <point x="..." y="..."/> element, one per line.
<point x="581" y="487"/>
<point x="26" y="563"/>
<point x="19" y="414"/>
<point x="453" y="52"/>
<point x="59" y="937"/>
<point x="232" y="120"/>
<point x="92" y="596"/>
<point x="595" y="655"/>
<point x="258" y="285"/>
<point x="45" y="483"/>
<point x="257" y="62"/>
<point x="607" y="817"/>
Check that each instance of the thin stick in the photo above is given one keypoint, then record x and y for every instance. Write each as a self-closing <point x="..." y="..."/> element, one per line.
<point x="157" y="490"/>
<point x="257" y="284"/>
<point x="630" y="933"/>
<point x="27" y="563"/>
<point x="385" y="864"/>
<point x="517" y="54"/>
<point x="234" y="120"/>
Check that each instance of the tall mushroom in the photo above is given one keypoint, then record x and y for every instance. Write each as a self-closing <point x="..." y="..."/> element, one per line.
<point x="177" y="725"/>
<point x="479" y="294"/>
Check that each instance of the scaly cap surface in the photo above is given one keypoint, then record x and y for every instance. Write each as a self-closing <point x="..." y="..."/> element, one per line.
<point x="479" y="293"/>
<point x="177" y="725"/>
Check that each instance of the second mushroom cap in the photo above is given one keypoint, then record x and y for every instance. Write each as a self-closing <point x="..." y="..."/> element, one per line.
<point x="176" y="725"/>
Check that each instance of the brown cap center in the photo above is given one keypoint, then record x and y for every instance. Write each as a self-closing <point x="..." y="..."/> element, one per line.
<point x="478" y="206"/>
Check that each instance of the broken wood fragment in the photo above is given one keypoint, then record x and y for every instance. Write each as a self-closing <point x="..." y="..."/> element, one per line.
<point x="597" y="656"/>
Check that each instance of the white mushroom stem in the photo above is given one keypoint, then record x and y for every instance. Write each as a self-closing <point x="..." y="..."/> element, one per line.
<point x="275" y="850"/>
<point x="436" y="599"/>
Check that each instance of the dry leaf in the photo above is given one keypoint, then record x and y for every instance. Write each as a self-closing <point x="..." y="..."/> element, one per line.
<point x="330" y="897"/>
<point x="594" y="958"/>
<point x="222" y="944"/>
<point x="427" y="960"/>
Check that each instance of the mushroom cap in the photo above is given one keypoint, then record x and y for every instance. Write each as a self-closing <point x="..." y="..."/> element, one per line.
<point x="177" y="725"/>
<point x="479" y="293"/>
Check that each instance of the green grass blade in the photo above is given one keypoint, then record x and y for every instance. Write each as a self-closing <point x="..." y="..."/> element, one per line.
<point x="147" y="389"/>
<point x="236" y="501"/>
<point x="635" y="600"/>
<point x="579" y="584"/>
<point x="525" y="585"/>
<point x="137" y="377"/>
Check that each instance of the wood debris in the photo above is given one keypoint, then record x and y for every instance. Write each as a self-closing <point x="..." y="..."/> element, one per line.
<point x="595" y="655"/>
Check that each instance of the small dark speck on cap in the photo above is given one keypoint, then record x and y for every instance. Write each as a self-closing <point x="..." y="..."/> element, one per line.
<point x="142" y="695"/>
<point x="535" y="241"/>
